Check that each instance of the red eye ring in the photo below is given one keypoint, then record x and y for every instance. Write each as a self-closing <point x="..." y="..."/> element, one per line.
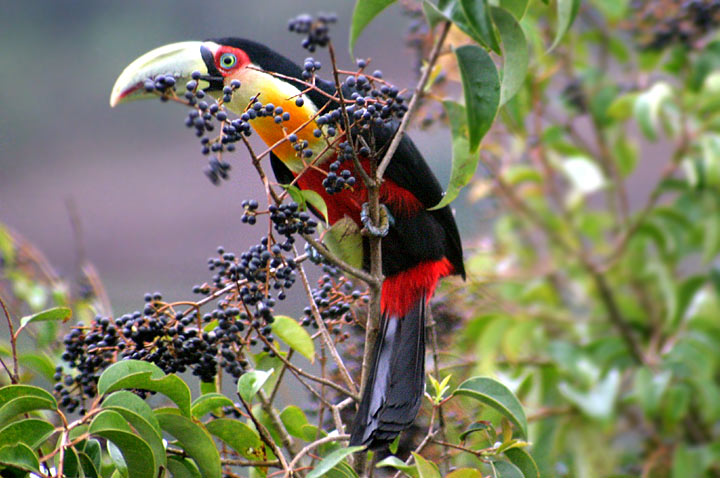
<point x="228" y="59"/>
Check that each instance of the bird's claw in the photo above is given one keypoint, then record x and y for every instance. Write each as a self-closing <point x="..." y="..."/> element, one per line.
<point x="385" y="221"/>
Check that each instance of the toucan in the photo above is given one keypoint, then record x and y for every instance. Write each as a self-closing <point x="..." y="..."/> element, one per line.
<point x="421" y="245"/>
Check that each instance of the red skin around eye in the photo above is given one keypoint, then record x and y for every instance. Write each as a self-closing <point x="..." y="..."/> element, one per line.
<point x="242" y="58"/>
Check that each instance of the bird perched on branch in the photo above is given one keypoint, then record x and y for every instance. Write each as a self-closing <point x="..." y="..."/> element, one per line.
<point x="420" y="246"/>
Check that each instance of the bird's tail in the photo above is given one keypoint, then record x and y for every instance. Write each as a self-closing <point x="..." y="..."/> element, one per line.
<point x="394" y="390"/>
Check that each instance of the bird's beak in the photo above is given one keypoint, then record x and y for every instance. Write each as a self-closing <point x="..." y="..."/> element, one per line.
<point x="177" y="59"/>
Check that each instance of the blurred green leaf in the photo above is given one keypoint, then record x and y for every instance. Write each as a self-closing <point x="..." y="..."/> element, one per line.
<point x="566" y="12"/>
<point x="464" y="162"/>
<point x="426" y="469"/>
<point x="598" y="402"/>
<point x="515" y="54"/>
<point x="648" y="106"/>
<point x="316" y="202"/>
<point x="477" y="14"/>
<point x="364" y="13"/>
<point x="398" y="464"/>
<point x="496" y="395"/>
<point x="294" y="335"/>
<point x="516" y="7"/>
<point x="523" y="461"/>
<point x="503" y="469"/>
<point x="464" y="473"/>
<point x="481" y="88"/>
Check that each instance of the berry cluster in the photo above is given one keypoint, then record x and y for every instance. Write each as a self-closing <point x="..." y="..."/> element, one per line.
<point x="337" y="302"/>
<point x="288" y="219"/>
<point x="334" y="182"/>
<point x="317" y="30"/>
<point x="310" y="66"/>
<point x="663" y="23"/>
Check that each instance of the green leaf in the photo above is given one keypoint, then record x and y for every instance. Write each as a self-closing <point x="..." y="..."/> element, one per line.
<point x="426" y="469"/>
<point x="316" y="202"/>
<point x="146" y="376"/>
<point x="182" y="468"/>
<point x="88" y="466"/>
<point x="515" y="54"/>
<point x="516" y="7"/>
<point x="56" y="313"/>
<point x="622" y="106"/>
<point x="209" y="402"/>
<point x="32" y="431"/>
<point x="566" y="12"/>
<point x="599" y="401"/>
<point x="648" y="106"/>
<point x="432" y="14"/>
<point x="17" y="399"/>
<point x="250" y="382"/>
<point x="503" y="469"/>
<point x="398" y="464"/>
<point x="194" y="439"/>
<point x="136" y="452"/>
<point x="464" y="163"/>
<point x="649" y="388"/>
<point x="208" y="387"/>
<point x="481" y="88"/>
<point x="19" y="456"/>
<point x="584" y="174"/>
<point x="481" y="426"/>
<point x="39" y="362"/>
<point x="145" y="430"/>
<point x="365" y="11"/>
<point x="498" y="396"/>
<point x="344" y="240"/>
<point x="7" y="246"/>
<point x="465" y="473"/>
<point x="329" y="462"/>
<point x="130" y="401"/>
<point x="239" y="437"/>
<point x="477" y="13"/>
<point x="294" y="335"/>
<point x="294" y="420"/>
<point x="116" y="457"/>
<point x="524" y="461"/>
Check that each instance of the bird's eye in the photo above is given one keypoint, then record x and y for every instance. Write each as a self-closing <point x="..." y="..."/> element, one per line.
<point x="228" y="60"/>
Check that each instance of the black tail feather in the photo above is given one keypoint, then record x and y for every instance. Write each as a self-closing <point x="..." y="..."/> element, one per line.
<point x="392" y="397"/>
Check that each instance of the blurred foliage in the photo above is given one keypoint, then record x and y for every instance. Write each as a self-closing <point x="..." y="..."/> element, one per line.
<point x="598" y="294"/>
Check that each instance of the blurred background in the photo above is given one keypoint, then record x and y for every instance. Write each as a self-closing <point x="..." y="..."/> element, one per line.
<point x="148" y="215"/>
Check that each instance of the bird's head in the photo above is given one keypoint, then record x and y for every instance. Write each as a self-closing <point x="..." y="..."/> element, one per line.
<point x="219" y="61"/>
<point x="263" y="74"/>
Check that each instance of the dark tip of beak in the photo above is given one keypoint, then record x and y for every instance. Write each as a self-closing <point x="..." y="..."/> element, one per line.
<point x="214" y="77"/>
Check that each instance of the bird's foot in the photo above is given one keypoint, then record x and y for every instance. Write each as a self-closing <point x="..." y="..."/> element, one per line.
<point x="385" y="221"/>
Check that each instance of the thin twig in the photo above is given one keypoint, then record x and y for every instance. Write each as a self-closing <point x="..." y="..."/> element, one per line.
<point x="325" y="334"/>
<point x="417" y="94"/>
<point x="311" y="447"/>
<point x="14" y="377"/>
